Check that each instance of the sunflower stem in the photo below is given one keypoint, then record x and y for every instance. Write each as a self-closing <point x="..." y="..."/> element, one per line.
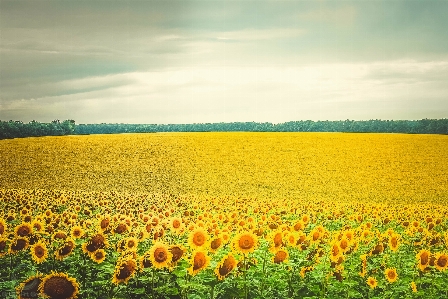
<point x="244" y="274"/>
<point x="152" y="283"/>
<point x="264" y="274"/>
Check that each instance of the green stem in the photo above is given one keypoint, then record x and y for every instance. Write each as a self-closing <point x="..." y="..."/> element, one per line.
<point x="264" y="274"/>
<point x="245" y="278"/>
<point x="152" y="283"/>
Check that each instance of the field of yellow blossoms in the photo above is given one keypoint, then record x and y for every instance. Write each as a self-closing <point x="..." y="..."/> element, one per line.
<point x="224" y="215"/>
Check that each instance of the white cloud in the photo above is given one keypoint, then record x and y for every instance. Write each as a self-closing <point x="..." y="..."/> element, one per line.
<point x="276" y="94"/>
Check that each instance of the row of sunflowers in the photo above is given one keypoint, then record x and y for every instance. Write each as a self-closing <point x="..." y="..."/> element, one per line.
<point x="74" y="244"/>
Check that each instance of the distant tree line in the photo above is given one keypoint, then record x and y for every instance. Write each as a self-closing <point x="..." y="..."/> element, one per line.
<point x="15" y="129"/>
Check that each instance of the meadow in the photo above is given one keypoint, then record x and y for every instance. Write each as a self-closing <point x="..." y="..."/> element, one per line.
<point x="224" y="215"/>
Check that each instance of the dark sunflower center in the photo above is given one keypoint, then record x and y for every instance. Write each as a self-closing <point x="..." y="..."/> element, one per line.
<point x="160" y="255"/>
<point x="442" y="261"/>
<point x="199" y="239"/>
<point x="199" y="261"/>
<point x="177" y="253"/>
<point x="59" y="288"/>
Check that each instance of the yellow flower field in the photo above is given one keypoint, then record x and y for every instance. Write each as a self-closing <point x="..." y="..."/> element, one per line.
<point x="224" y="215"/>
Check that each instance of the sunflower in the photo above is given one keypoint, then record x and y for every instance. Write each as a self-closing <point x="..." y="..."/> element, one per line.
<point x="18" y="244"/>
<point x="29" y="288"/>
<point x="413" y="287"/>
<point x="276" y="240"/>
<point x="344" y="244"/>
<point x="24" y="229"/>
<point x="39" y="252"/>
<point x="245" y="242"/>
<point x="200" y="260"/>
<point x="215" y="244"/>
<point x="65" y="250"/>
<point x="121" y="228"/>
<point x="37" y="226"/>
<point x="441" y="261"/>
<point x="391" y="274"/>
<point x="227" y="264"/>
<point x="423" y="259"/>
<point x="3" y="227"/>
<point x="98" y="256"/>
<point x="98" y="241"/>
<point x="59" y="235"/>
<point x="176" y="225"/>
<point x="177" y="251"/>
<point x="131" y="243"/>
<point x="77" y="232"/>
<point x="124" y="270"/>
<point x="59" y="286"/>
<point x="372" y="282"/>
<point x="394" y="242"/>
<point x="3" y="246"/>
<point x="335" y="252"/>
<point x="104" y="223"/>
<point x="280" y="256"/>
<point x="159" y="255"/>
<point x="197" y="238"/>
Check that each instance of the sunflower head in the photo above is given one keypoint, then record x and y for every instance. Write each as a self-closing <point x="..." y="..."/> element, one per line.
<point x="199" y="261"/>
<point x="245" y="242"/>
<point x="227" y="264"/>
<point x="372" y="282"/>
<point x="59" y="285"/>
<point x="98" y="256"/>
<point x="77" y="232"/>
<point x="19" y="244"/>
<point x="198" y="238"/>
<point x="29" y="288"/>
<point x="65" y="250"/>
<point x="423" y="258"/>
<point x="391" y="274"/>
<point x="124" y="270"/>
<point x="280" y="256"/>
<point x="159" y="255"/>
<point x="3" y="227"/>
<point x="441" y="261"/>
<point x="23" y="230"/>
<point x="39" y="252"/>
<point x="178" y="252"/>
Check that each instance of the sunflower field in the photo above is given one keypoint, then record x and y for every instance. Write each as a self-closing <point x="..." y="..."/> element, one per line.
<point x="224" y="215"/>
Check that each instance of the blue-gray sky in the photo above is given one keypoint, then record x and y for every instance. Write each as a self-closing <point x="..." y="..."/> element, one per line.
<point x="222" y="61"/>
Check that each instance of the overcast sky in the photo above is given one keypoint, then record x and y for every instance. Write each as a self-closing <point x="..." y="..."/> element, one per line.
<point x="222" y="61"/>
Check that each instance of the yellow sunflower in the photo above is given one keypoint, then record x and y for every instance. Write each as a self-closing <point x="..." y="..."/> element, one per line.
<point x="199" y="261"/>
<point x="198" y="238"/>
<point x="227" y="264"/>
<point x="3" y="246"/>
<point x="159" y="255"/>
<point x="3" y="227"/>
<point x="18" y="244"/>
<point x="59" y="285"/>
<point x="280" y="256"/>
<point x="245" y="242"/>
<point x="124" y="270"/>
<point x="413" y="287"/>
<point x="39" y="252"/>
<point x="65" y="249"/>
<point x="24" y="229"/>
<point x="441" y="261"/>
<point x="391" y="274"/>
<point x="98" y="256"/>
<point x="372" y="282"/>
<point x="423" y="259"/>
<point x="29" y="288"/>
<point x="77" y="232"/>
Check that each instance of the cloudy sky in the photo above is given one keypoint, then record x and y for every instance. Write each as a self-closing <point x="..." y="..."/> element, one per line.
<point x="222" y="61"/>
